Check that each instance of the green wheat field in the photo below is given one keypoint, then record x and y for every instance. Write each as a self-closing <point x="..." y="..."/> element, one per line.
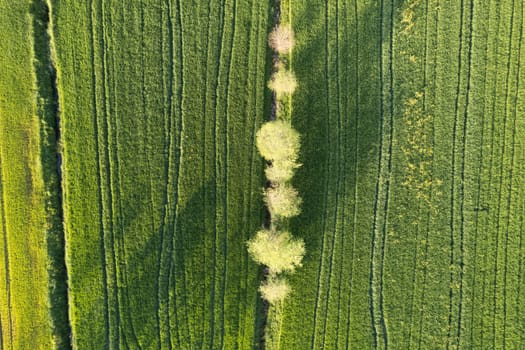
<point x="130" y="181"/>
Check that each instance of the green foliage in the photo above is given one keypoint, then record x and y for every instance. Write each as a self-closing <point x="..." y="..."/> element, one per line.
<point x="277" y="250"/>
<point x="278" y="141"/>
<point x="281" y="171"/>
<point x="283" y="82"/>
<point x="282" y="39"/>
<point x="275" y="290"/>
<point x="283" y="201"/>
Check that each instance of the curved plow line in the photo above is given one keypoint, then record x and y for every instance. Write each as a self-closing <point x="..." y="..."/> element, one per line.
<point x="246" y="200"/>
<point x="356" y="170"/>
<point x="167" y="226"/>
<point x="503" y="148"/>
<point x="174" y="222"/>
<point x="119" y="253"/>
<point x="325" y="205"/>
<point x="175" y="260"/>
<point x="225" y="165"/>
<point x="97" y="137"/>
<point x="108" y="203"/>
<point x="382" y="190"/>
<point x="337" y="182"/>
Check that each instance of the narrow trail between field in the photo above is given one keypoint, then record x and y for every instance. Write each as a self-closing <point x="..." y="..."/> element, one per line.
<point x="49" y="118"/>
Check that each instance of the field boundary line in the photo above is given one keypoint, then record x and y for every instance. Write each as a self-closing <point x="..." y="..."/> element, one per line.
<point x="6" y="254"/>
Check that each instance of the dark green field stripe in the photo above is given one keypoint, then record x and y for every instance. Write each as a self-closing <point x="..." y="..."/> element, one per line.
<point x="326" y="190"/>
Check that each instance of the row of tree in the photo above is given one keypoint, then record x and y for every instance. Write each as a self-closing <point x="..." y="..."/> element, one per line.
<point x="279" y="143"/>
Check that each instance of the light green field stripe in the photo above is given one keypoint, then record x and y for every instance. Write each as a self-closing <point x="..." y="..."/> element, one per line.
<point x="24" y="300"/>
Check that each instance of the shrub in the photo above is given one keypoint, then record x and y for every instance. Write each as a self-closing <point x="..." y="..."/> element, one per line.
<point x="280" y="171"/>
<point x="283" y="82"/>
<point x="274" y="290"/>
<point x="277" y="250"/>
<point x="282" y="39"/>
<point x="277" y="141"/>
<point x="283" y="201"/>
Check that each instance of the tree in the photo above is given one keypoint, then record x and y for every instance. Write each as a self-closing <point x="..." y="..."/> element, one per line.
<point x="274" y="290"/>
<point x="278" y="141"/>
<point x="282" y="201"/>
<point x="283" y="82"/>
<point x="282" y="39"/>
<point x="281" y="171"/>
<point x="277" y="250"/>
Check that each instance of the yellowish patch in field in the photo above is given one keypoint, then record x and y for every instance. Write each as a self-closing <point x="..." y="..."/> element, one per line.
<point x="408" y="17"/>
<point x="418" y="149"/>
